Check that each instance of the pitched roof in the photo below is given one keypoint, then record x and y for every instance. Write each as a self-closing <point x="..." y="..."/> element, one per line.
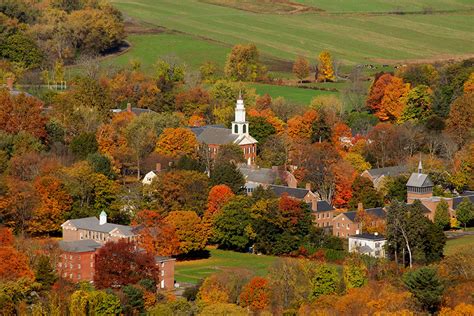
<point x="297" y="193"/>
<point x="216" y="135"/>
<point x="365" y="249"/>
<point x="377" y="211"/>
<point x="368" y="236"/>
<point x="258" y="175"/>
<point x="86" y="245"/>
<point x="92" y="223"/>
<point x="324" y="206"/>
<point x="419" y="180"/>
<point x="458" y="200"/>
<point x="387" y="171"/>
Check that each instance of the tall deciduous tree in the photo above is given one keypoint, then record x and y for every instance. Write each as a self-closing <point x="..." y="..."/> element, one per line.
<point x="363" y="191"/>
<point x="119" y="263"/>
<point x="441" y="217"/>
<point x="325" y="281"/>
<point x="355" y="273"/>
<point x="256" y="294"/>
<point x="243" y="64"/>
<point x="460" y="122"/>
<point x="418" y="104"/>
<point x="325" y="67"/>
<point x="189" y="229"/>
<point x="393" y="101"/>
<point x="177" y="142"/>
<point x="465" y="212"/>
<point x="301" y="68"/>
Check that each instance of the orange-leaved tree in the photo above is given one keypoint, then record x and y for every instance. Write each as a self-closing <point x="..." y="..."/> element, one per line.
<point x="344" y="176"/>
<point x="212" y="291"/>
<point x="393" y="101"/>
<point x="377" y="91"/>
<point x="300" y="126"/>
<point x="13" y="264"/>
<point x="189" y="229"/>
<point x="256" y="294"/>
<point x="177" y="142"/>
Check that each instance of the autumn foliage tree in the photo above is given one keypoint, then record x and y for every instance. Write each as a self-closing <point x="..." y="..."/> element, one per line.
<point x="393" y="101"/>
<point x="325" y="67"/>
<point x="301" y="68"/>
<point x="219" y="195"/>
<point x="176" y="142"/>
<point x="243" y="64"/>
<point x="256" y="294"/>
<point x="21" y="113"/>
<point x="121" y="262"/>
<point x="377" y="92"/>
<point x="460" y="121"/>
<point x="14" y="264"/>
<point x="189" y="230"/>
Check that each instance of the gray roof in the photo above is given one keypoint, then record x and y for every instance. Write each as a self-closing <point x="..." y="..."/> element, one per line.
<point x="377" y="211"/>
<point x="92" y="223"/>
<point x="369" y="236"/>
<point x="419" y="180"/>
<point x="388" y="171"/>
<point x="297" y="193"/>
<point x="215" y="135"/>
<point x="324" y="206"/>
<point x="258" y="175"/>
<point x="79" y="245"/>
<point x="457" y="200"/>
<point x="365" y="249"/>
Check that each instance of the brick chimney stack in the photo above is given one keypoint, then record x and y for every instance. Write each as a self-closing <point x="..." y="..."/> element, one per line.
<point x="10" y="81"/>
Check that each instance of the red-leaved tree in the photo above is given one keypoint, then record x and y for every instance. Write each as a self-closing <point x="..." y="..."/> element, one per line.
<point x="256" y="294"/>
<point x="119" y="263"/>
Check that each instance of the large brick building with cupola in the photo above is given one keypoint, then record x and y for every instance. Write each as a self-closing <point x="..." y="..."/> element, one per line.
<point x="214" y="136"/>
<point x="81" y="239"/>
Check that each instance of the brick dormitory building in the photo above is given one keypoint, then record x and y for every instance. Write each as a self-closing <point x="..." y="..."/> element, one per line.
<point x="81" y="239"/>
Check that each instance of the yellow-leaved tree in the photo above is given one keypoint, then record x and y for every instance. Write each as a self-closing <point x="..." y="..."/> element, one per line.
<point x="325" y="67"/>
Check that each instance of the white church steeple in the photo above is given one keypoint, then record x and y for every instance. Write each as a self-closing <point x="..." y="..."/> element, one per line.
<point x="240" y="126"/>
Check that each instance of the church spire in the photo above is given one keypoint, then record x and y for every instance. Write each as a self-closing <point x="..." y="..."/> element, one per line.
<point x="240" y="125"/>
<point x="420" y="167"/>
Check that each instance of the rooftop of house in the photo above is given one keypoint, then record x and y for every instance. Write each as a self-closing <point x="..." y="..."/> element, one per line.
<point x="93" y="224"/>
<point x="214" y="135"/>
<point x="377" y="211"/>
<point x="258" y="175"/>
<point x="79" y="245"/>
<point x="368" y="236"/>
<point x="324" y="206"/>
<point x="297" y="193"/>
<point x="136" y="111"/>
<point x="458" y="200"/>
<point x="419" y="180"/>
<point x="388" y="171"/>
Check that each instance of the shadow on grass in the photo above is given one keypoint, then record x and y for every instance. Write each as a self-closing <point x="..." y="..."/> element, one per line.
<point x="195" y="255"/>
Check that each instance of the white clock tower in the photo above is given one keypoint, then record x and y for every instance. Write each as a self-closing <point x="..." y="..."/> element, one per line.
<point x="240" y="126"/>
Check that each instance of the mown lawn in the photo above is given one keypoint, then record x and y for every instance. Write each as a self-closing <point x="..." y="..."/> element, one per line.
<point x="458" y="244"/>
<point x="352" y="38"/>
<point x="194" y="270"/>
<point x="292" y="94"/>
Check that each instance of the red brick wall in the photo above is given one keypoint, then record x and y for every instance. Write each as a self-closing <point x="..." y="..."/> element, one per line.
<point x="76" y="266"/>
<point x="166" y="274"/>
<point x="411" y="196"/>
<point x="323" y="219"/>
<point x="250" y="151"/>
<point x="343" y="227"/>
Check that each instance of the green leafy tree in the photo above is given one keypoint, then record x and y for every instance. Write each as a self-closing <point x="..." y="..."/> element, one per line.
<point x="134" y="302"/>
<point x="260" y="128"/>
<point x="243" y="64"/>
<point x="426" y="287"/>
<point x="233" y="226"/>
<point x="45" y="274"/>
<point x="84" y="145"/>
<point x="325" y="281"/>
<point x="21" y="49"/>
<point x="396" y="188"/>
<point x="363" y="191"/>
<point x="229" y="153"/>
<point x="101" y="164"/>
<point x="104" y="303"/>
<point x="418" y="104"/>
<point x="355" y="273"/>
<point x="465" y="212"/>
<point x="441" y="217"/>
<point x="228" y="174"/>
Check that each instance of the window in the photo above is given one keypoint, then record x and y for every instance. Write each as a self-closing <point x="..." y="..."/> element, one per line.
<point x="78" y="265"/>
<point x="79" y="276"/>
<point x="236" y="129"/>
<point x="162" y="272"/>
<point x="92" y="264"/>
<point x="318" y="216"/>
<point x="70" y="276"/>
<point x="337" y="225"/>
<point x="245" y="128"/>
<point x="347" y="226"/>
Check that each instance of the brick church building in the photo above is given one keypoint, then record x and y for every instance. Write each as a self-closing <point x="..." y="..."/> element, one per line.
<point x="215" y="136"/>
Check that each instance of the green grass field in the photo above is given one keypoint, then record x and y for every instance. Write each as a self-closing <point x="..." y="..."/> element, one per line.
<point x="195" y="270"/>
<point x="148" y="48"/>
<point x="292" y="94"/>
<point x="352" y="38"/>
<point x="455" y="245"/>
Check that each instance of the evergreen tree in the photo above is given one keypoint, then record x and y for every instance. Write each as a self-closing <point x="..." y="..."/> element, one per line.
<point x="325" y="281"/>
<point x="355" y="273"/>
<point x="363" y="191"/>
<point x="45" y="273"/>
<point x="228" y="174"/>
<point x="425" y="286"/>
<point x="441" y="217"/>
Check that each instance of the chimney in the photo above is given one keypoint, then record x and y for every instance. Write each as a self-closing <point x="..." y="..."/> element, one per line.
<point x="102" y="218"/>
<point x="360" y="207"/>
<point x="10" y="81"/>
<point x="129" y="108"/>
<point x="308" y="186"/>
<point x="158" y="167"/>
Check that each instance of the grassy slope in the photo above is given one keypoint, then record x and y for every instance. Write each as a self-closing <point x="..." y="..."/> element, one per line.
<point x="297" y="95"/>
<point x="353" y="38"/>
<point x="188" y="49"/>
<point x="193" y="271"/>
<point x="386" y="5"/>
<point x="455" y="245"/>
